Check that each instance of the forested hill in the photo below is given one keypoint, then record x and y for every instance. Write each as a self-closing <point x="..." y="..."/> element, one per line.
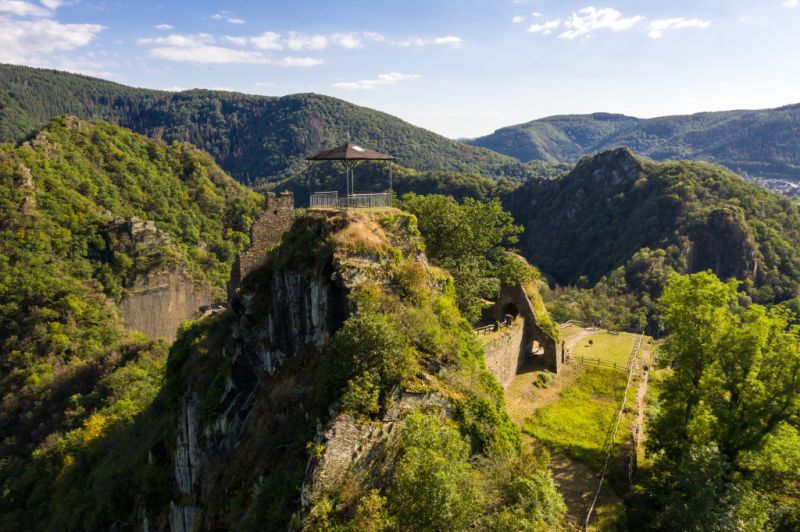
<point x="254" y="138"/>
<point x="764" y="143"/>
<point x="615" y="210"/>
<point x="66" y="357"/>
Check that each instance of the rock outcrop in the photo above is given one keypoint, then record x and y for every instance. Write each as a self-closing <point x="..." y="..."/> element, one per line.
<point x="285" y="312"/>
<point x="157" y="301"/>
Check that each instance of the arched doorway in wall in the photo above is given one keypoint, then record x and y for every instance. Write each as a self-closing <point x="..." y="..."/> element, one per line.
<point x="510" y="309"/>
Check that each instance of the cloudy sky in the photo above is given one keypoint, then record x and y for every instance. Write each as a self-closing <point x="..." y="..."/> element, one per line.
<point x="459" y="68"/>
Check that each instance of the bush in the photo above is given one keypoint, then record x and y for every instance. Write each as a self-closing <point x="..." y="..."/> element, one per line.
<point x="434" y="487"/>
<point x="367" y="344"/>
<point x="544" y="379"/>
<point x="362" y="395"/>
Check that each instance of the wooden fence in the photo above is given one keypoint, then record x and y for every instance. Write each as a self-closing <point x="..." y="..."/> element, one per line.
<point x="492" y="327"/>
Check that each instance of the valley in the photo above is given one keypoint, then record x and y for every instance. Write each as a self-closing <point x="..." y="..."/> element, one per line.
<point x="185" y="344"/>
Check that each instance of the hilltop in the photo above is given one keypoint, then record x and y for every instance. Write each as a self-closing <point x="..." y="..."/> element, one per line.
<point x="628" y="220"/>
<point x="759" y="144"/>
<point x="343" y="389"/>
<point x="253" y="138"/>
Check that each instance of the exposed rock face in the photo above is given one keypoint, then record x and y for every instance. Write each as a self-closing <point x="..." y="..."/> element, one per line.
<point x="724" y="243"/>
<point x="284" y="314"/>
<point x="353" y="447"/>
<point x="159" y="301"/>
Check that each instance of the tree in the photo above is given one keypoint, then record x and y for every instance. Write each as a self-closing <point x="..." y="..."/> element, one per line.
<point x="471" y="240"/>
<point x="735" y="383"/>
<point x="434" y="487"/>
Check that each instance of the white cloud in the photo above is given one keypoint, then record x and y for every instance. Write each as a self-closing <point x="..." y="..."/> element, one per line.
<point x="658" y="27"/>
<point x="23" y="9"/>
<point x="791" y="3"/>
<point x="239" y="41"/>
<point x="164" y="27"/>
<point x="267" y="41"/>
<point x="208" y="54"/>
<point x="86" y="67"/>
<point x="52" y="4"/>
<point x="590" y="19"/>
<point x="517" y="19"/>
<point x="28" y="40"/>
<point x="449" y="40"/>
<point x="372" y="36"/>
<point x="199" y="48"/>
<point x="301" y="41"/>
<point x="545" y="28"/>
<point x="346" y="40"/>
<point x="179" y="40"/>
<point x="299" y="61"/>
<point x="536" y="14"/>
<point x="228" y="17"/>
<point x="392" y="78"/>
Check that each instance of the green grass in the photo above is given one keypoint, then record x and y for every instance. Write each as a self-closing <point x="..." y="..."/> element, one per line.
<point x="606" y="346"/>
<point x="579" y="423"/>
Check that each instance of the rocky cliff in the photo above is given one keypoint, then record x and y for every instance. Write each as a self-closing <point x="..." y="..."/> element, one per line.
<point x="293" y="404"/>
<point x="264" y="408"/>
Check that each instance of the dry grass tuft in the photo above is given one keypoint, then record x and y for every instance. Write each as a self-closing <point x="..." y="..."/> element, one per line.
<point x="361" y="233"/>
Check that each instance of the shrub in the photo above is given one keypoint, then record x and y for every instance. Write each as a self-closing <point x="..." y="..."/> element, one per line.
<point x="544" y="379"/>
<point x="434" y="487"/>
<point x="362" y="395"/>
<point x="367" y="343"/>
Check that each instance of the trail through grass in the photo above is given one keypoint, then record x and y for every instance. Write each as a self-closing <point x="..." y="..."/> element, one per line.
<point x="578" y="424"/>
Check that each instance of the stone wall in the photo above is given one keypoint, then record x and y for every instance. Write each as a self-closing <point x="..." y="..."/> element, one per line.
<point x="265" y="233"/>
<point x="515" y="296"/>
<point x="504" y="352"/>
<point x="159" y="301"/>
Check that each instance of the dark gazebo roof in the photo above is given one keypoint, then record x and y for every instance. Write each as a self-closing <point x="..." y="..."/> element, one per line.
<point x="350" y="152"/>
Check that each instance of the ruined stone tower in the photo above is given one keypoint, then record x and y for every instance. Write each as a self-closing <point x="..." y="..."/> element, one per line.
<point x="265" y="233"/>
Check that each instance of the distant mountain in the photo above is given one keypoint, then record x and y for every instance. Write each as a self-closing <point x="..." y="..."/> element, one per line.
<point x="758" y="144"/>
<point x="615" y="206"/>
<point x="254" y="138"/>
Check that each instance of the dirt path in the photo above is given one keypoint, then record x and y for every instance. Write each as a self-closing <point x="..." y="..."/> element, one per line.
<point x="641" y="393"/>
<point x="577" y="483"/>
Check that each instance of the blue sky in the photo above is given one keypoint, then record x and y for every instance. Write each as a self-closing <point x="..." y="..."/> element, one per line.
<point x="459" y="68"/>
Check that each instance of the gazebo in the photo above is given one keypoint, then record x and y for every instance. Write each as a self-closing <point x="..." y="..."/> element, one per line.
<point x="350" y="155"/>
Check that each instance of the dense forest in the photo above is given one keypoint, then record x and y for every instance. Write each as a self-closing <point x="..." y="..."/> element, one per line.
<point x="623" y="223"/>
<point x="69" y="367"/>
<point x="764" y="143"/>
<point x="254" y="138"/>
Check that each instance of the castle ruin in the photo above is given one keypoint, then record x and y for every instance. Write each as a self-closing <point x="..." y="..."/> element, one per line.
<point x="265" y="234"/>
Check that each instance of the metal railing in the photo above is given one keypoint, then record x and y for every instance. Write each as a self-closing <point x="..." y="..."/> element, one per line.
<point x="324" y="199"/>
<point x="352" y="201"/>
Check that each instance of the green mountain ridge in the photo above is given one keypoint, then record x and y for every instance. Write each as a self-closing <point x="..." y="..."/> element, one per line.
<point x="65" y="352"/>
<point x="621" y="218"/>
<point x="761" y="143"/>
<point x="254" y="138"/>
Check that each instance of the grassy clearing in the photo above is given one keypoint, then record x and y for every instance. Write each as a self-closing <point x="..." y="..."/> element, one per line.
<point x="568" y="332"/>
<point x="606" y="346"/>
<point x="578" y="424"/>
